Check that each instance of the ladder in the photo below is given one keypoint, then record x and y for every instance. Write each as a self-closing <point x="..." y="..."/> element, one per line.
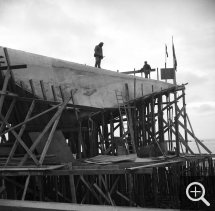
<point x="128" y="133"/>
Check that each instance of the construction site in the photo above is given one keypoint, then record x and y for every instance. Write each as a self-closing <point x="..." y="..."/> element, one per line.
<point x="76" y="137"/>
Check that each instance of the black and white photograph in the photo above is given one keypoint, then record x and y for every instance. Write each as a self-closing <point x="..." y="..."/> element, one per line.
<point x="107" y="105"/>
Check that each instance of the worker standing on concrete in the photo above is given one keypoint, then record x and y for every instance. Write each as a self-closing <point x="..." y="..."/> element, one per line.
<point x="98" y="54"/>
<point x="146" y="69"/>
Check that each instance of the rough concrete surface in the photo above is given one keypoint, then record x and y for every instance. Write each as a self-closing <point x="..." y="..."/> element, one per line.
<point x="95" y="87"/>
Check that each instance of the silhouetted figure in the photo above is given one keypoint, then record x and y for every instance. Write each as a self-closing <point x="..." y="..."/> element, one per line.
<point x="146" y="69"/>
<point x="98" y="54"/>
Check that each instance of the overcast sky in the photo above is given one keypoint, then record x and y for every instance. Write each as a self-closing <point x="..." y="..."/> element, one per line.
<point x="133" y="31"/>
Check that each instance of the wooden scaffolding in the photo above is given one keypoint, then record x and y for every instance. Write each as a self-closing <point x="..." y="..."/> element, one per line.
<point x="157" y="125"/>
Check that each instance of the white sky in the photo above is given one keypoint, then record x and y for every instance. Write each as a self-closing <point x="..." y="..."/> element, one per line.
<point x="133" y="31"/>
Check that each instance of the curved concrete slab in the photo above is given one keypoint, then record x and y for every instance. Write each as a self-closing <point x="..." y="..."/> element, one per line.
<point x="95" y="87"/>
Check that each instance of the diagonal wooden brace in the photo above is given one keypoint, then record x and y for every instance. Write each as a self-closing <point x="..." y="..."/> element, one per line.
<point x="48" y="142"/>
<point x="190" y="133"/>
<point x="20" y="141"/>
<point x="6" y="79"/>
<point x="45" y="130"/>
<point x="8" y="114"/>
<point x="30" y="119"/>
<point x="20" y="135"/>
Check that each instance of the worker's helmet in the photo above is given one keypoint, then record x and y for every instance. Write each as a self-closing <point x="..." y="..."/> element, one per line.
<point x="101" y="43"/>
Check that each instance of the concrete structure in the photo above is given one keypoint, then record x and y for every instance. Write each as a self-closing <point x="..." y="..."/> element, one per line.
<point x="95" y="87"/>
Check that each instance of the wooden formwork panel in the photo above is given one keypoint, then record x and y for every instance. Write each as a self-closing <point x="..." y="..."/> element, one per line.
<point x="58" y="146"/>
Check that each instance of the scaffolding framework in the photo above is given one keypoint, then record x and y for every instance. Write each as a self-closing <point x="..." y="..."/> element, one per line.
<point x="27" y="174"/>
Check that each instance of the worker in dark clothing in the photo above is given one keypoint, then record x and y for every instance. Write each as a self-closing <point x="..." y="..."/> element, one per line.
<point x="98" y="54"/>
<point x="146" y="69"/>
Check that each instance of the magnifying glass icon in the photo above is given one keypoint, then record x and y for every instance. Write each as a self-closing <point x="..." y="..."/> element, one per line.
<point x="198" y="196"/>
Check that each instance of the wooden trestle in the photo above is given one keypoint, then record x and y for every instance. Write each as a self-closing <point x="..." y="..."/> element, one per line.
<point x="26" y="174"/>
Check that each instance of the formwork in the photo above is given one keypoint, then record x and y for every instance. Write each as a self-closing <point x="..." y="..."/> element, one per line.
<point x="132" y="154"/>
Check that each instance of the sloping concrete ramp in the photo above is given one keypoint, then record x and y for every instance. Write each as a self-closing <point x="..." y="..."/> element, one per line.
<point x="95" y="87"/>
<point x="58" y="147"/>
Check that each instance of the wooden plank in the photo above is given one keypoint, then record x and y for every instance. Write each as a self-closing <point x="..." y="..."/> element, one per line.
<point x="158" y="164"/>
<point x="30" y="168"/>
<point x="8" y="94"/>
<point x="77" y="172"/>
<point x="14" y="67"/>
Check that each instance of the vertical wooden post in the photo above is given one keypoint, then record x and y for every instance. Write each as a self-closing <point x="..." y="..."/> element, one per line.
<point x="56" y="188"/>
<point x="142" y="89"/>
<point x="91" y="141"/>
<point x="176" y="119"/>
<point x="54" y="93"/>
<point x="152" y="116"/>
<point x="72" y="185"/>
<point x="62" y="95"/>
<point x="34" y="187"/>
<point x="112" y="132"/>
<point x="176" y="124"/>
<point x="130" y="189"/>
<point x="160" y="119"/>
<point x="157" y="75"/>
<point x="22" y="84"/>
<point x="143" y="120"/>
<point x="135" y="87"/>
<point x="154" y="181"/>
<point x="32" y="88"/>
<point x="185" y="120"/>
<point x="135" y="123"/>
<point x="43" y="90"/>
